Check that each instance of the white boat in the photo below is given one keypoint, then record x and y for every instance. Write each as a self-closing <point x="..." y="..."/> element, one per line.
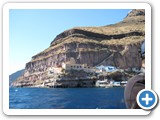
<point x="116" y="84"/>
<point x="102" y="83"/>
<point x="108" y="86"/>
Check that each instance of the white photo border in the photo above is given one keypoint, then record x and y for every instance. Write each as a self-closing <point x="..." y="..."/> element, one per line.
<point x="9" y="6"/>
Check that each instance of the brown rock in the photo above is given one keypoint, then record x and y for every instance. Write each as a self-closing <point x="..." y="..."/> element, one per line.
<point x="117" y="45"/>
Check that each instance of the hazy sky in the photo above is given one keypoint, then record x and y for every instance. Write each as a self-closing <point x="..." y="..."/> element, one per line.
<point x="31" y="31"/>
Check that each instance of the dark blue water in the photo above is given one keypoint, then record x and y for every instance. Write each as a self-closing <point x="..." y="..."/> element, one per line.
<point x="66" y="98"/>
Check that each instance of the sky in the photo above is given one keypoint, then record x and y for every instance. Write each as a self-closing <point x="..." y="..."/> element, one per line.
<point x="32" y="30"/>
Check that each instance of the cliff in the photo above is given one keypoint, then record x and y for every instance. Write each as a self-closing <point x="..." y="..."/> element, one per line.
<point x="117" y="45"/>
<point x="15" y="75"/>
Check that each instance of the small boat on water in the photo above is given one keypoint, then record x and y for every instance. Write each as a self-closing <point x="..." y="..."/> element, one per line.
<point x="102" y="83"/>
<point x="123" y="83"/>
<point x="116" y="84"/>
<point x="120" y="84"/>
<point x="107" y="84"/>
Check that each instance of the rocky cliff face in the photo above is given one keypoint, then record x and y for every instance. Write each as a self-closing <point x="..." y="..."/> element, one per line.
<point x="117" y="45"/>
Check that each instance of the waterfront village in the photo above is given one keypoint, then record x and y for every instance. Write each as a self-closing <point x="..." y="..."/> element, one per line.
<point x="71" y="74"/>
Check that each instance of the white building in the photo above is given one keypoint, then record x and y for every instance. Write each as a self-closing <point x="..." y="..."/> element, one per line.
<point x="71" y="65"/>
<point x="106" y="68"/>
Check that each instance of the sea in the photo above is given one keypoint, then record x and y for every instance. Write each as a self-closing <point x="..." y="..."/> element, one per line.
<point x="66" y="98"/>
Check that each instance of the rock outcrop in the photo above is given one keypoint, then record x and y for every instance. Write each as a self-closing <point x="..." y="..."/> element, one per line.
<point x="117" y="45"/>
